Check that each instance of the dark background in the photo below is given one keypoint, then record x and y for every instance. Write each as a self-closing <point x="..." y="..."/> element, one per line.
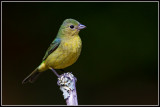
<point x="118" y="64"/>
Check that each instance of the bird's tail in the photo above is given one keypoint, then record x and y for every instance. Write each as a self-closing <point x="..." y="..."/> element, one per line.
<point x="32" y="77"/>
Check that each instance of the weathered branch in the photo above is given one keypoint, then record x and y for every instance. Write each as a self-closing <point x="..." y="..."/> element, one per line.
<point x="67" y="83"/>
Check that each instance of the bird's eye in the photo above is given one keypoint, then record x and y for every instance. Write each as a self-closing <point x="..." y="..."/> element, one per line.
<point x="71" y="26"/>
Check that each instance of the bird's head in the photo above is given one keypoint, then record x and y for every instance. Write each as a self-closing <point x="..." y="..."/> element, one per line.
<point x="70" y="27"/>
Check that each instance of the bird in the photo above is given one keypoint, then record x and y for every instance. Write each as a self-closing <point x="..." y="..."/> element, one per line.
<point x="64" y="50"/>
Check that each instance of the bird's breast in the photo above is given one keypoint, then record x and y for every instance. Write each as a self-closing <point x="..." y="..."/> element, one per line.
<point x="72" y="45"/>
<point x="67" y="53"/>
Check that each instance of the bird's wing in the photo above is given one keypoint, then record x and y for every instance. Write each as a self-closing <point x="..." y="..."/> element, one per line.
<point x="53" y="46"/>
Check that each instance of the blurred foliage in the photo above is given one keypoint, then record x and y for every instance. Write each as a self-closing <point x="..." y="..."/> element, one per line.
<point x="119" y="59"/>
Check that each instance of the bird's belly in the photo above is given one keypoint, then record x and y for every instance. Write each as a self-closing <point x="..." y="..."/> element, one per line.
<point x="65" y="60"/>
<point x="65" y="55"/>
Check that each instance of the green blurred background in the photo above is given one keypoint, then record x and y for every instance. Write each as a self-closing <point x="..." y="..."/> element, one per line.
<point x="118" y="64"/>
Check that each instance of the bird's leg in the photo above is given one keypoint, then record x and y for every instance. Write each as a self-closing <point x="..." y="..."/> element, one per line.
<point x="54" y="71"/>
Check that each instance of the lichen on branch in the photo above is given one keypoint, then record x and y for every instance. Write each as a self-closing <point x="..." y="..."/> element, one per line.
<point x="67" y="83"/>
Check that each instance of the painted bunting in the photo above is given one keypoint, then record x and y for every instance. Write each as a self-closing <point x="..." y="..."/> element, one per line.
<point x="63" y="51"/>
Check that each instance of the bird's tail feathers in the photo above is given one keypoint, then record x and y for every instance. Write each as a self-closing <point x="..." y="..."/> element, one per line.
<point x="32" y="77"/>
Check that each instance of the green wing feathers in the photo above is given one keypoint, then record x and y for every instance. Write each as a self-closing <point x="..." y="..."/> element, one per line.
<point x="53" y="46"/>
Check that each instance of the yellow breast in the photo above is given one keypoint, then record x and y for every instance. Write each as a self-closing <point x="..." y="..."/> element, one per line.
<point x="66" y="54"/>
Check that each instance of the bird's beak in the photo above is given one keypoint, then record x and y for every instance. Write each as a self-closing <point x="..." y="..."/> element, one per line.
<point x="80" y="26"/>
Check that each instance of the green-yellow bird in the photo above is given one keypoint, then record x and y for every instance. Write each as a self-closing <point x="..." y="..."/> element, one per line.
<point x="63" y="51"/>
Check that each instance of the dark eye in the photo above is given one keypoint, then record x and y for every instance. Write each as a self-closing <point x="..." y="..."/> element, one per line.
<point x="71" y="26"/>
